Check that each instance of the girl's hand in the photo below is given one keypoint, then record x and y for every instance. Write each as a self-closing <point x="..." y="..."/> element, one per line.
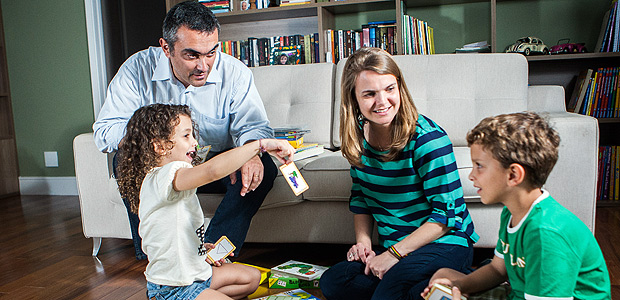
<point x="281" y="149"/>
<point x="218" y="263"/>
<point x="360" y="252"/>
<point x="380" y="264"/>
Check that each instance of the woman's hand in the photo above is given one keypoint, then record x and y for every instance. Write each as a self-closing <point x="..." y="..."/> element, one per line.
<point x="380" y="264"/>
<point x="281" y="149"/>
<point x="360" y="252"/>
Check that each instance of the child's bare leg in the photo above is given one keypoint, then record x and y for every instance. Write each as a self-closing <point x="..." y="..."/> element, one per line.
<point x="235" y="280"/>
<point x="210" y="294"/>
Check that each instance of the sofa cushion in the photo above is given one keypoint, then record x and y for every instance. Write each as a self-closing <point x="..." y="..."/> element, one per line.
<point x="328" y="177"/>
<point x="472" y="86"/>
<point x="299" y="95"/>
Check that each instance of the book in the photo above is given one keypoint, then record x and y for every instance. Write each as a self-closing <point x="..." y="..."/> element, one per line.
<point x="297" y="269"/>
<point x="440" y="292"/>
<point x="277" y="281"/>
<point x="307" y="150"/>
<point x="290" y="295"/>
<point x="579" y="92"/>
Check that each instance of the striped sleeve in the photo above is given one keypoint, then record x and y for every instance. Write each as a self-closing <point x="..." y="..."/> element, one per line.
<point x="357" y="204"/>
<point x="435" y="162"/>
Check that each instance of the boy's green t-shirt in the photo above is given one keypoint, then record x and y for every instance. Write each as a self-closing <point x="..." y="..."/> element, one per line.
<point x="551" y="253"/>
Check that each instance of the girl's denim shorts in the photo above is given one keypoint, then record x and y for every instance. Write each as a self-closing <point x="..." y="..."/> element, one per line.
<point x="164" y="292"/>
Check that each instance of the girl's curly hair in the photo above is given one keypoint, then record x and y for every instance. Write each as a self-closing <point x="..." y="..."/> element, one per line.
<point x="137" y="156"/>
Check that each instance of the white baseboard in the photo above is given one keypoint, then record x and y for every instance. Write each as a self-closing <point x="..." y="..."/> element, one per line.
<point x="55" y="186"/>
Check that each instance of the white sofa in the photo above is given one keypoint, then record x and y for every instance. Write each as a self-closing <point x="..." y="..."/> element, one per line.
<point x="456" y="91"/>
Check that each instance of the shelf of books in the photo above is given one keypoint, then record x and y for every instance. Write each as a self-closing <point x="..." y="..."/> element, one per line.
<point x="597" y="94"/>
<point x="608" y="188"/>
<point x="257" y="30"/>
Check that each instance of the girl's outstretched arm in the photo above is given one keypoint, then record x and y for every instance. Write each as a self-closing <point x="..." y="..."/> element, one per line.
<point x="230" y="161"/>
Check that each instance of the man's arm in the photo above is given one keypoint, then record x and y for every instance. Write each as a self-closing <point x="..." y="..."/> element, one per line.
<point x="122" y="99"/>
<point x="248" y="122"/>
<point x="248" y="118"/>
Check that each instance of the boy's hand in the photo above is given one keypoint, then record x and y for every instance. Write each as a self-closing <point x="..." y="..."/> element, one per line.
<point x="281" y="149"/>
<point x="218" y="263"/>
<point x="456" y="292"/>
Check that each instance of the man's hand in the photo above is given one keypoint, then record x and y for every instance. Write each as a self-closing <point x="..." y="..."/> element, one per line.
<point x="251" y="175"/>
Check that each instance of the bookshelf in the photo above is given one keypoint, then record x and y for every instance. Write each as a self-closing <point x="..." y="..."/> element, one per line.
<point x="9" y="183"/>
<point x="563" y="69"/>
<point x="320" y="16"/>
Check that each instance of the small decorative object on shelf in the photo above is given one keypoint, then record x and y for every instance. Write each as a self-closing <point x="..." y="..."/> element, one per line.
<point x="528" y="45"/>
<point x="565" y="46"/>
<point x="285" y="55"/>
<point x="477" y="47"/>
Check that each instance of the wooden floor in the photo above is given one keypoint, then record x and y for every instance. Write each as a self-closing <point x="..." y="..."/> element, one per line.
<point x="44" y="255"/>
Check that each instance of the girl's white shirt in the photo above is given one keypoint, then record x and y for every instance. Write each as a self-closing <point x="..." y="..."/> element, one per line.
<point x="172" y="229"/>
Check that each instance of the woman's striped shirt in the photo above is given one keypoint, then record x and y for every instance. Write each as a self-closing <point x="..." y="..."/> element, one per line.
<point x="421" y="185"/>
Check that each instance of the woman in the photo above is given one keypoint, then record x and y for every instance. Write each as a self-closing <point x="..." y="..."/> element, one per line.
<point x="405" y="178"/>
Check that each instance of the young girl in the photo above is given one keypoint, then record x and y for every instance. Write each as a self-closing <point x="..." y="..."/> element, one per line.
<point x="158" y="180"/>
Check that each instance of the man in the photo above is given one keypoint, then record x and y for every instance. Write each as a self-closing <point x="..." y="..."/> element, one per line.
<point x="189" y="69"/>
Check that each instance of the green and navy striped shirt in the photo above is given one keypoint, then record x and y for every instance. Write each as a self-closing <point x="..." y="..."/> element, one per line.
<point x="421" y="185"/>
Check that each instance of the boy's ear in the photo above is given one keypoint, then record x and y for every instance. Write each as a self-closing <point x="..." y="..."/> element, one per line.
<point x="516" y="174"/>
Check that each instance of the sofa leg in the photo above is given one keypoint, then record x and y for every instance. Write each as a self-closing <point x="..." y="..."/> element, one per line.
<point x="96" y="245"/>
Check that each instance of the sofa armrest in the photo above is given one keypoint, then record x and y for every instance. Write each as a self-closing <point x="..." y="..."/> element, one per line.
<point x="102" y="210"/>
<point x="546" y="98"/>
<point x="573" y="180"/>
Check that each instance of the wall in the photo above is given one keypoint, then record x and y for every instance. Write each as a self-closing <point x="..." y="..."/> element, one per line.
<point x="50" y="81"/>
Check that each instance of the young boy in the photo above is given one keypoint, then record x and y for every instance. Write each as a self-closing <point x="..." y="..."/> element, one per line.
<point x="544" y="250"/>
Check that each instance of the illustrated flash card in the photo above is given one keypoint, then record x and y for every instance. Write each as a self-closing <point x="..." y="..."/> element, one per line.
<point x="440" y="292"/>
<point x="294" y="178"/>
<point x="223" y="247"/>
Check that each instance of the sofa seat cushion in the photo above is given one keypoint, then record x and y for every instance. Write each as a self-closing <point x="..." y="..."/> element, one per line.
<point x="328" y="177"/>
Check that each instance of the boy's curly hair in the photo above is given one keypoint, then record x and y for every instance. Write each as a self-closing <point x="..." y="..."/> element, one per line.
<point x="136" y="155"/>
<point x="524" y="138"/>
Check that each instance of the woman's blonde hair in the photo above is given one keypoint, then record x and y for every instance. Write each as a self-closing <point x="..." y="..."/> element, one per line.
<point x="351" y="119"/>
<point x="137" y="155"/>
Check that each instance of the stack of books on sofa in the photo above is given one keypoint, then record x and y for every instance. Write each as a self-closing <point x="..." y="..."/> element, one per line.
<point x="295" y="136"/>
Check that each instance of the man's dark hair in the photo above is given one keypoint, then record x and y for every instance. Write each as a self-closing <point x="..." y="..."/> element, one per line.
<point x="191" y="14"/>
